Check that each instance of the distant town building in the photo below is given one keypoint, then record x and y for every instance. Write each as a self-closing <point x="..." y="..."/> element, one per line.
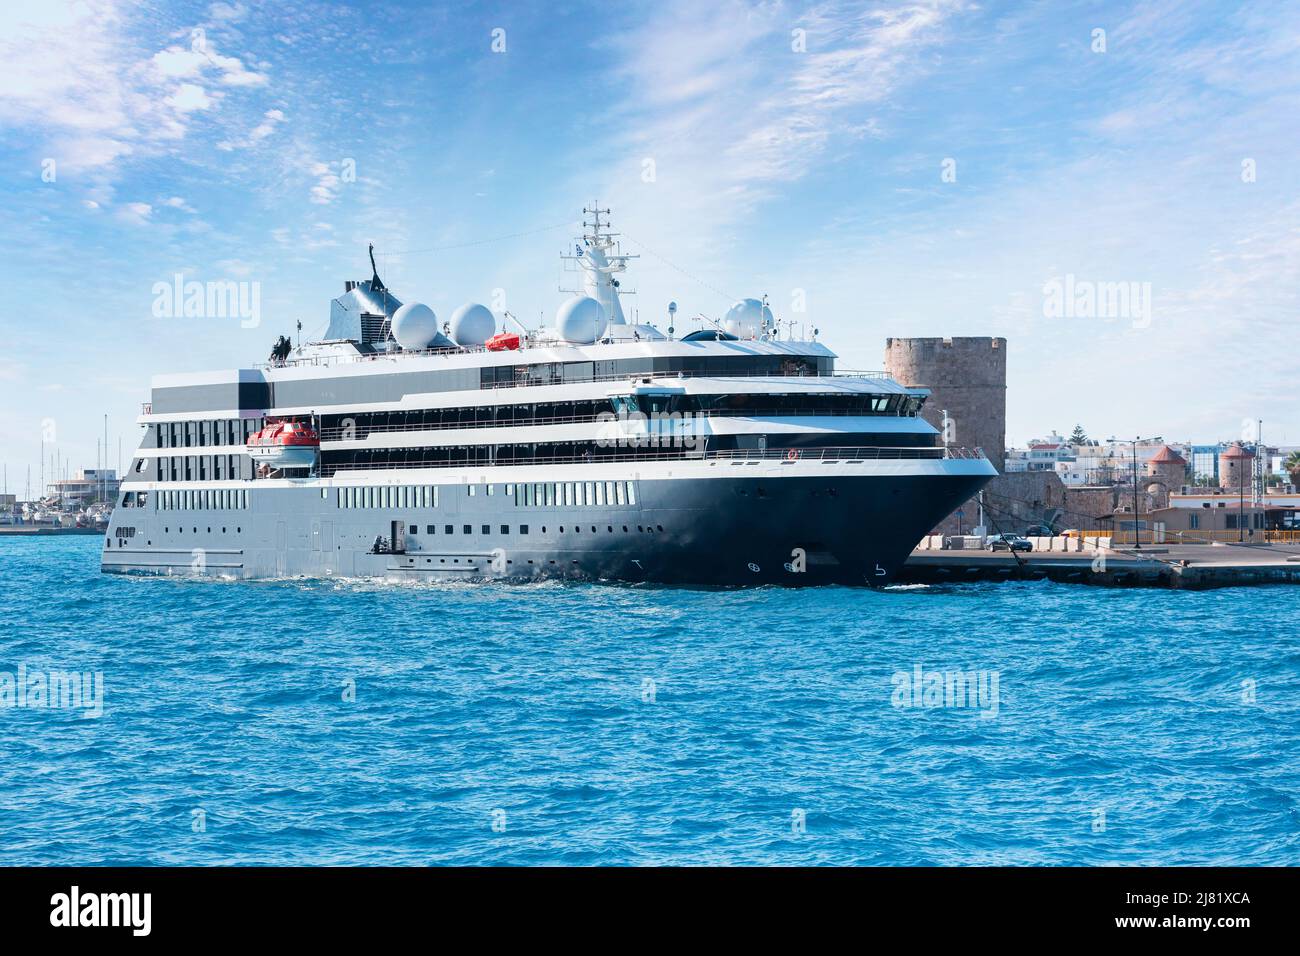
<point x="1042" y="454"/>
<point x="1072" y="474"/>
<point x="1224" y="512"/>
<point x="94" y="484"/>
<point x="1205" y="463"/>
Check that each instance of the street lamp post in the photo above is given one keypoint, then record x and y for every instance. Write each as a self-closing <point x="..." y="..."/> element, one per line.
<point x="1241" y="503"/>
<point x="1137" y="535"/>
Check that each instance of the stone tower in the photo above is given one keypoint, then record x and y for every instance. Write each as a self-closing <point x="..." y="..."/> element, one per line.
<point x="1166" y="473"/>
<point x="966" y="376"/>
<point x="1236" y="467"/>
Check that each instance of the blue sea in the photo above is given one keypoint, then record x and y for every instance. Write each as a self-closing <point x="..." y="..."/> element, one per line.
<point x="305" y="722"/>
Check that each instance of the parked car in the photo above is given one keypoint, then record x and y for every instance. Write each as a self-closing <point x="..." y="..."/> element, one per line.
<point x="1008" y="542"/>
<point x="1038" y="531"/>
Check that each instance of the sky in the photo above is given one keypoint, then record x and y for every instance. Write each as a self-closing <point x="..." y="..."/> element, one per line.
<point x="913" y="169"/>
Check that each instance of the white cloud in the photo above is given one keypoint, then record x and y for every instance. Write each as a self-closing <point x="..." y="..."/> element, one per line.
<point x="135" y="213"/>
<point x="270" y="120"/>
<point x="327" y="183"/>
<point x="227" y="11"/>
<point x="202" y="57"/>
<point x="722" y="112"/>
<point x="76" y="80"/>
<point x="234" y="267"/>
<point x="190" y="97"/>
<point x="178" y="62"/>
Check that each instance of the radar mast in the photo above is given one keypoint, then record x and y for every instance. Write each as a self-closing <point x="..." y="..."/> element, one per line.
<point x="601" y="259"/>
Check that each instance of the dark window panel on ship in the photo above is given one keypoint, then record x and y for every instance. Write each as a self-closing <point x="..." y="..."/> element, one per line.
<point x="233" y="431"/>
<point x="556" y="452"/>
<point x="236" y="431"/>
<point x="360" y="425"/>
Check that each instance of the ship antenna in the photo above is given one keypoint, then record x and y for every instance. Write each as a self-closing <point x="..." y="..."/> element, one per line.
<point x="376" y="284"/>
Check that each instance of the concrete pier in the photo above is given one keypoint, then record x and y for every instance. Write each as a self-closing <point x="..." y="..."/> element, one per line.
<point x="1170" y="566"/>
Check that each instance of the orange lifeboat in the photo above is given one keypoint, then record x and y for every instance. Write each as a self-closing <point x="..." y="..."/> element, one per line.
<point x="503" y="342"/>
<point x="285" y="444"/>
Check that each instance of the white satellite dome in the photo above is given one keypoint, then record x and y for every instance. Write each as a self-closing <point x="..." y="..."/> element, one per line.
<point x="582" y="320"/>
<point x="747" y="319"/>
<point x="472" y="325"/>
<point x="415" y="326"/>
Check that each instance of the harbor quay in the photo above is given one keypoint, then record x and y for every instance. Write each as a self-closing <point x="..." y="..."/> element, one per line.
<point x="1187" y="566"/>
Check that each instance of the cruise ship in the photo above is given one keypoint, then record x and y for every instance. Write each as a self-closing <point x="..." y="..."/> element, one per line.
<point x="597" y="448"/>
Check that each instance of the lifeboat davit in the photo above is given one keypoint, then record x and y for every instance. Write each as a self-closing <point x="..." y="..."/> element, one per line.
<point x="285" y="445"/>
<point x="503" y="342"/>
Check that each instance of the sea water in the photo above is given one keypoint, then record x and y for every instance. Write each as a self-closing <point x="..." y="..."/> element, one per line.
<point x="344" y="722"/>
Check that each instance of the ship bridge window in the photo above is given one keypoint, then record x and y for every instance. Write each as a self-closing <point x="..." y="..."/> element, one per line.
<point x="656" y="404"/>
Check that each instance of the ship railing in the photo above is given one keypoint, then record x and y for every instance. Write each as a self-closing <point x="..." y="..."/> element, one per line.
<point x="557" y="378"/>
<point x="667" y="377"/>
<point x="735" y="455"/>
<point x="146" y="408"/>
<point x="361" y="432"/>
<point x="528" y="346"/>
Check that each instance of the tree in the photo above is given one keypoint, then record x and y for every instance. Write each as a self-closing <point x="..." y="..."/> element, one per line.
<point x="1078" y="436"/>
<point x="1292" y="466"/>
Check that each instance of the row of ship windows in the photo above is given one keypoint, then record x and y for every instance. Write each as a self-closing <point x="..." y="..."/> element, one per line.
<point x="237" y="431"/>
<point x="221" y="499"/>
<point x="544" y="494"/>
<point x="387" y="496"/>
<point x="221" y="431"/>
<point x="414" y="529"/>
<point x="193" y="467"/>
<point x="552" y="494"/>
